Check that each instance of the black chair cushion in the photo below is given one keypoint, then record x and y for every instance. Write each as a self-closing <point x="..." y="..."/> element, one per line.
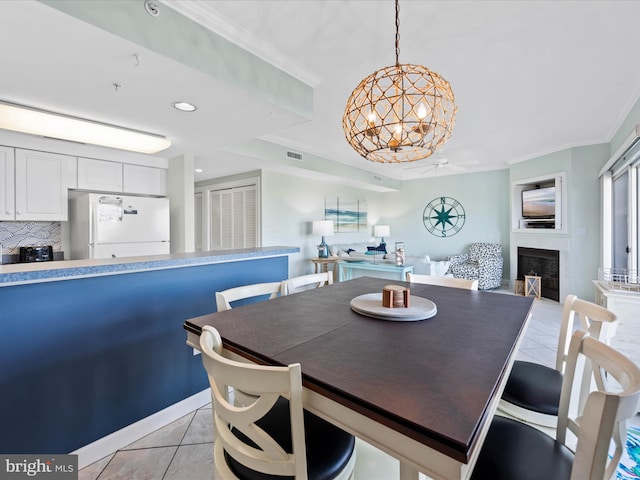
<point x="516" y="451"/>
<point x="534" y="387"/>
<point x="328" y="447"/>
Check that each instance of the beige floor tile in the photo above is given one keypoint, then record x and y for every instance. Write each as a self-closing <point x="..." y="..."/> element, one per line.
<point x="192" y="462"/>
<point x="91" y="472"/>
<point x="201" y="428"/>
<point x="169" y="435"/>
<point x="145" y="464"/>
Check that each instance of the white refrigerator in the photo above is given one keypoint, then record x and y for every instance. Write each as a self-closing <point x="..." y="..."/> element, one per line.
<point x="110" y="226"/>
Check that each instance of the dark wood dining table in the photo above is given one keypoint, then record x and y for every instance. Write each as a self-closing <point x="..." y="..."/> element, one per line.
<point x="423" y="391"/>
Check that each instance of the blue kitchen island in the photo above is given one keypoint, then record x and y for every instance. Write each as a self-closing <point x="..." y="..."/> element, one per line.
<point x="90" y="347"/>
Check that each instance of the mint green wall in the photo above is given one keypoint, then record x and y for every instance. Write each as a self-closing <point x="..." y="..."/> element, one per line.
<point x="584" y="214"/>
<point x="542" y="166"/>
<point x="484" y="196"/>
<point x="291" y="203"/>
<point x="582" y="217"/>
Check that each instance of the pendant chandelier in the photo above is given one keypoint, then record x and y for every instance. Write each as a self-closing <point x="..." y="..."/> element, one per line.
<point x="401" y="113"/>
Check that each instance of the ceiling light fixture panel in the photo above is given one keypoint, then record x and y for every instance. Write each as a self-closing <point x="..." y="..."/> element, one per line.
<point x="29" y="120"/>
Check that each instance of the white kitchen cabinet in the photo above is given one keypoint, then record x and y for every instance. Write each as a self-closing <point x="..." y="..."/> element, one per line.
<point x="145" y="180"/>
<point x="41" y="188"/>
<point x="7" y="184"/>
<point x="99" y="175"/>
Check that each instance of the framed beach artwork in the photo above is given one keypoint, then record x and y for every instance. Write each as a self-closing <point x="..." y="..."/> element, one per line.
<point x="348" y="215"/>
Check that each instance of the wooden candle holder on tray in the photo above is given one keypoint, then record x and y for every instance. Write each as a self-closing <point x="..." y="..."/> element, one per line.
<point x="396" y="296"/>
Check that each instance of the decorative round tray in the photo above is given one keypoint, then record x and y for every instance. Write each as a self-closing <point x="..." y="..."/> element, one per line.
<point x="370" y="305"/>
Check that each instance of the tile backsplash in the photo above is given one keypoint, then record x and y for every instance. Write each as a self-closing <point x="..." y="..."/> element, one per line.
<point x="14" y="235"/>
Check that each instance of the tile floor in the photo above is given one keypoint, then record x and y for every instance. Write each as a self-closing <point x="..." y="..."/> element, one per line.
<point x="183" y="450"/>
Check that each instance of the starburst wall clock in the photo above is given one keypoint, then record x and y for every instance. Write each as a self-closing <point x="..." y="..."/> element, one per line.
<point x="443" y="217"/>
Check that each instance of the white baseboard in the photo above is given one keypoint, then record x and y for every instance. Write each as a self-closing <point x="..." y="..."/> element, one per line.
<point x="107" y="445"/>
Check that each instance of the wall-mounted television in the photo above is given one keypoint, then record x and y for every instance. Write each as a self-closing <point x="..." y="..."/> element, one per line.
<point x="539" y="203"/>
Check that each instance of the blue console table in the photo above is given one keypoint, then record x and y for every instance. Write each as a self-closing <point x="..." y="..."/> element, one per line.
<point x="345" y="269"/>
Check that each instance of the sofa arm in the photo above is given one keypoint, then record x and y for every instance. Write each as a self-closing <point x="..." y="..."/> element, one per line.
<point x="458" y="259"/>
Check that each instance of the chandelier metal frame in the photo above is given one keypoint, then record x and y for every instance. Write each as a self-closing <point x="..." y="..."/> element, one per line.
<point x="400" y="113"/>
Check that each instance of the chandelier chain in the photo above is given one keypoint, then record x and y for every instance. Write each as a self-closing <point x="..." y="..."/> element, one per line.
<point x="397" y="33"/>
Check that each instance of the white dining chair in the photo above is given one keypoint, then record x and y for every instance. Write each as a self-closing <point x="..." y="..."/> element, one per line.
<point x="532" y="391"/>
<point x="516" y="450"/>
<point x="225" y="297"/>
<point x="306" y="282"/>
<point x="273" y="436"/>
<point x="442" y="281"/>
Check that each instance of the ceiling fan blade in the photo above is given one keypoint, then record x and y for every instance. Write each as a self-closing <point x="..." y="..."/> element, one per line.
<point x="419" y="166"/>
<point x="424" y="169"/>
<point x="456" y="168"/>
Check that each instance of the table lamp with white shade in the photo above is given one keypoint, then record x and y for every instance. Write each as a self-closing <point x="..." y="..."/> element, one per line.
<point x="323" y="228"/>
<point x="382" y="231"/>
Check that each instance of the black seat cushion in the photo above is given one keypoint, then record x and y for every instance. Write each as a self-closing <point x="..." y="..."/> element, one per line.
<point x="534" y="387"/>
<point x="516" y="451"/>
<point x="328" y="447"/>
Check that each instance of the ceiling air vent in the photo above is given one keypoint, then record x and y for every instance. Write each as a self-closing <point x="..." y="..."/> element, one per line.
<point x="294" y="156"/>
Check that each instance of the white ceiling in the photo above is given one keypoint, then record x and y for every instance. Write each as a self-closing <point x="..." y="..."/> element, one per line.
<point x="530" y="77"/>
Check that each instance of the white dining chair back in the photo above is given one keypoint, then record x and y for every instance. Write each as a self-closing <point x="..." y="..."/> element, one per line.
<point x="513" y="449"/>
<point x="602" y="418"/>
<point x="250" y="436"/>
<point x="533" y="390"/>
<point x="598" y="321"/>
<point x="225" y="297"/>
<point x="442" y="281"/>
<point x="307" y="282"/>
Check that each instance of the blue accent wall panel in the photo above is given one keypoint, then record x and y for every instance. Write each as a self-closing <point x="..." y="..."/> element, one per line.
<point x="80" y="359"/>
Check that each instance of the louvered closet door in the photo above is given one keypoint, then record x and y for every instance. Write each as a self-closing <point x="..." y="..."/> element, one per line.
<point x="234" y="218"/>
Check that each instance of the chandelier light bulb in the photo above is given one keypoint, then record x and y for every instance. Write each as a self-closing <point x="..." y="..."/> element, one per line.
<point x="371" y="130"/>
<point x="422" y="111"/>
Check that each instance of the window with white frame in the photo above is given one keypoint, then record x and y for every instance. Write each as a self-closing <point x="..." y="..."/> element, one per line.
<point x="620" y="182"/>
<point x="620" y="221"/>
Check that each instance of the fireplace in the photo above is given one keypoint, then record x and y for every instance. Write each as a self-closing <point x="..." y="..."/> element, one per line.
<point x="541" y="263"/>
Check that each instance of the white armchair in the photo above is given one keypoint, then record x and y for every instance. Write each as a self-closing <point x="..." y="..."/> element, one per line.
<point x="483" y="263"/>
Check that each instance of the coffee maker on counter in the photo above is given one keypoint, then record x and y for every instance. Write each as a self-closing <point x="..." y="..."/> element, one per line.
<point x="42" y="253"/>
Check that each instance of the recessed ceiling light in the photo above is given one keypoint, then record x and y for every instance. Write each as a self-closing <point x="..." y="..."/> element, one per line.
<point x="184" y="106"/>
<point x="199" y="170"/>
